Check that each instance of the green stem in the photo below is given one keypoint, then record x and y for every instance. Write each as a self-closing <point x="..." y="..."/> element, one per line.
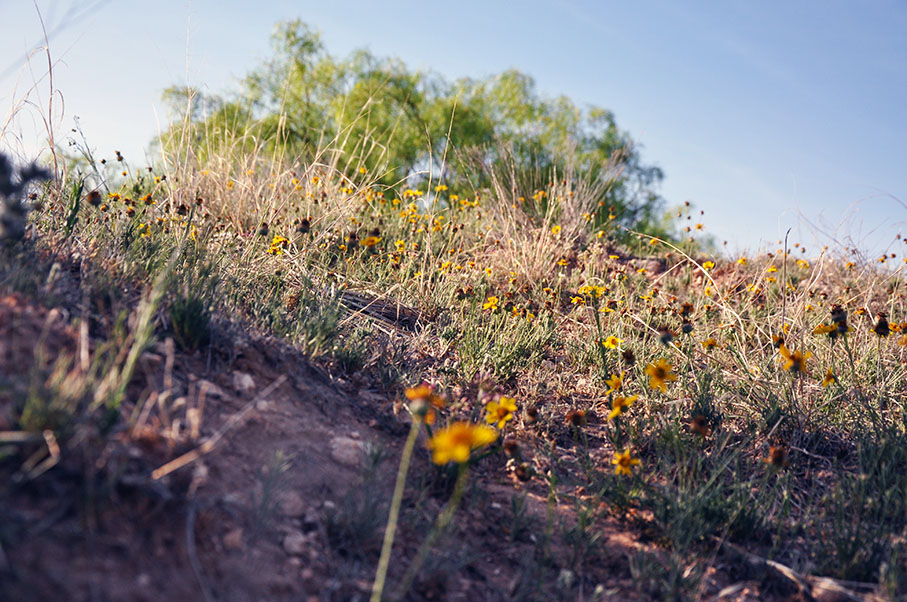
<point x="396" y="501"/>
<point x="440" y="525"/>
<point x="853" y="374"/>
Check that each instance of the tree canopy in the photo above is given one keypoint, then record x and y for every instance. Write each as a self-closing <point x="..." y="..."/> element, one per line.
<point x="378" y="114"/>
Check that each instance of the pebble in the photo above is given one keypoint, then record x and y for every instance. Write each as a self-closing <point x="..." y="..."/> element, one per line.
<point x="295" y="543"/>
<point x="233" y="539"/>
<point x="346" y="450"/>
<point x="291" y="504"/>
<point x="243" y="382"/>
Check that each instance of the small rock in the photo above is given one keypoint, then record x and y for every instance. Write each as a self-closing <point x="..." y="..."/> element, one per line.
<point x="243" y="382"/>
<point x="346" y="450"/>
<point x="295" y="543"/>
<point x="262" y="405"/>
<point x="143" y="580"/>
<point x="328" y="505"/>
<point x="291" y="504"/>
<point x="373" y="398"/>
<point x="211" y="390"/>
<point x="233" y="539"/>
<point x="310" y="522"/>
<point x="307" y="574"/>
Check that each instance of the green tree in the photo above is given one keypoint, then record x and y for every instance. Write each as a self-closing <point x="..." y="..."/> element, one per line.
<point x="377" y="113"/>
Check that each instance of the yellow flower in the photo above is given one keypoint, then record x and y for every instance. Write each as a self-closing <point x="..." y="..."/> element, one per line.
<point x="619" y="404"/>
<point x="742" y="261"/>
<point x="454" y="443"/>
<point x="829" y="378"/>
<point x="424" y="401"/>
<point x="424" y="393"/>
<point x="363" y="170"/>
<point x="826" y="329"/>
<point x="500" y="411"/>
<point x="611" y="342"/>
<point x="615" y="383"/>
<point x="708" y="265"/>
<point x="491" y="303"/>
<point x="278" y="244"/>
<point x="624" y="463"/>
<point x="794" y="361"/>
<point x="555" y="230"/>
<point x="593" y="290"/>
<point x="370" y="241"/>
<point x="659" y="373"/>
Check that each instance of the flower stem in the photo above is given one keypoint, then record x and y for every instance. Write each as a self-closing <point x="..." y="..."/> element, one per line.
<point x="396" y="501"/>
<point x="440" y="524"/>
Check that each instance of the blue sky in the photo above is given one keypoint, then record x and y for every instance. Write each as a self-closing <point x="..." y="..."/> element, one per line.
<point x="765" y="115"/>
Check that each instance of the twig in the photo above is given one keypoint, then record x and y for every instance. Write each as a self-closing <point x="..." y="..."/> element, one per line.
<point x="815" y="587"/>
<point x="193" y="557"/>
<point x="211" y="442"/>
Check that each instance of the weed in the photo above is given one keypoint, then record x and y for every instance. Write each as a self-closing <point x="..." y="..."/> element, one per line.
<point x="265" y="499"/>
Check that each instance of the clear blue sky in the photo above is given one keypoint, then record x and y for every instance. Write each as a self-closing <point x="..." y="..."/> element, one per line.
<point x="764" y="114"/>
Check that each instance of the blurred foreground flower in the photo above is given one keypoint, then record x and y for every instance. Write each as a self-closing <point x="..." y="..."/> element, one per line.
<point x="455" y="443"/>
<point x="424" y="401"/>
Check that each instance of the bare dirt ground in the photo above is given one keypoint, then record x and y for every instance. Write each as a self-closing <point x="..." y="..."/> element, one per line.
<point x="289" y="503"/>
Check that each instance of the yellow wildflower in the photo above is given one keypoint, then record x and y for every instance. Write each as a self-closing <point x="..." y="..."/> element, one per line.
<point x="456" y="442"/>
<point x="829" y="378"/>
<point x="794" y="361"/>
<point x="611" y="342"/>
<point x="500" y="411"/>
<point x="615" y="383"/>
<point x="278" y="244"/>
<point x="424" y="401"/>
<point x="619" y="404"/>
<point x="491" y="303"/>
<point x="659" y="373"/>
<point x="826" y="329"/>
<point x="624" y="463"/>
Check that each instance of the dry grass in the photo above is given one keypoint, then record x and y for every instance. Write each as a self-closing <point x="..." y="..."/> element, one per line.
<point x="743" y="461"/>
